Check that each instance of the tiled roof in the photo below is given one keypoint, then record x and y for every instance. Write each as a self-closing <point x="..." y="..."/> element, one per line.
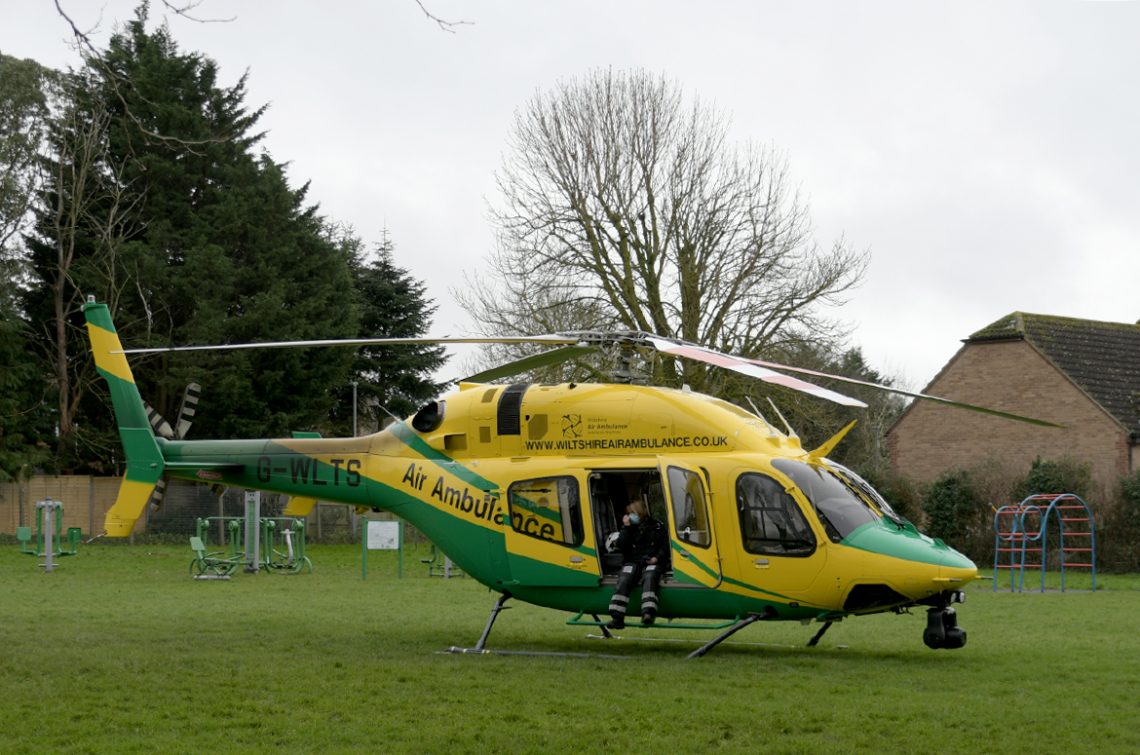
<point x="1102" y="358"/>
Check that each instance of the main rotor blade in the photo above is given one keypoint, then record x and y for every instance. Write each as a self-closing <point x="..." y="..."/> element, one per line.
<point x="911" y="394"/>
<point x="549" y="339"/>
<point x="544" y="359"/>
<point x="751" y="368"/>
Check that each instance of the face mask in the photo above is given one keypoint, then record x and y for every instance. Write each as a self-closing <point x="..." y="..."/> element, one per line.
<point x="634" y="519"/>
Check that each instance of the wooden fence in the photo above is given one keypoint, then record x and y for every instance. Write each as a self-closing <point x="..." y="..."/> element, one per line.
<point x="86" y="499"/>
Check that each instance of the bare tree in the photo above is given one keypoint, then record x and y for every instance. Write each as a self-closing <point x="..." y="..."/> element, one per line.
<point x="24" y="112"/>
<point x="625" y="206"/>
<point x="89" y="200"/>
<point x="448" y="26"/>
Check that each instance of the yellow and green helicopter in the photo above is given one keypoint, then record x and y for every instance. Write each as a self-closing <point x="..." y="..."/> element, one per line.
<point x="522" y="485"/>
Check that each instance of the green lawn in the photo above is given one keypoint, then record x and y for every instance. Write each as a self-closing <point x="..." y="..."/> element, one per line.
<point x="120" y="651"/>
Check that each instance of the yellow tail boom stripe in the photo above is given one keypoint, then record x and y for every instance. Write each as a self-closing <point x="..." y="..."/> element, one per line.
<point x="299" y="506"/>
<point x="103" y="342"/>
<point x="133" y="497"/>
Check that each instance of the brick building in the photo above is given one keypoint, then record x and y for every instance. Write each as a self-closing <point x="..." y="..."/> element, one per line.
<point x="1082" y="374"/>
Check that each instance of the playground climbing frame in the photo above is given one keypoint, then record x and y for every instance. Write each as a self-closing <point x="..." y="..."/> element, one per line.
<point x="1021" y="538"/>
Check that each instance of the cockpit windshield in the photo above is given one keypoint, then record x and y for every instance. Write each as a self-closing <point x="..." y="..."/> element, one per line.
<point x="865" y="488"/>
<point x="839" y="507"/>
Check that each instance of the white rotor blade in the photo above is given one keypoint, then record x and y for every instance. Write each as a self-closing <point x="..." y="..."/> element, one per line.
<point x="911" y="394"/>
<point x="752" y="369"/>
<point x="548" y="339"/>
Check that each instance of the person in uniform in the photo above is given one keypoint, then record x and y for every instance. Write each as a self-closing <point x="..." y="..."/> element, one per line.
<point x="644" y="545"/>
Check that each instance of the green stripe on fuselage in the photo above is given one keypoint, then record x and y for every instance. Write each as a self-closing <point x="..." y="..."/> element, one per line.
<point x="266" y="465"/>
<point x="676" y="548"/>
<point x="753" y="588"/>
<point x="408" y="437"/>
<point x="888" y="540"/>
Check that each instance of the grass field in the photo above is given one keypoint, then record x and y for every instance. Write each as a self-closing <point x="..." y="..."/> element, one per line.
<point x="120" y="651"/>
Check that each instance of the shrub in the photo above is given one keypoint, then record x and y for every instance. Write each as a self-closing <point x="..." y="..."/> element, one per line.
<point x="1118" y="532"/>
<point x="950" y="504"/>
<point x="1130" y="497"/>
<point x="1064" y="476"/>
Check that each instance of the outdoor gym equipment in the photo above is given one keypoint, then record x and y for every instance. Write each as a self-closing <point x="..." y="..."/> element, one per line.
<point x="293" y="559"/>
<point x="216" y="564"/>
<point x="288" y="532"/>
<point x="48" y="540"/>
<point x="447" y="569"/>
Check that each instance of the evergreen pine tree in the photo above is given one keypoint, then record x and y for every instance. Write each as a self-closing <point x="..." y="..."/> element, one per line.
<point x="217" y="248"/>
<point x="391" y="380"/>
<point x="24" y="107"/>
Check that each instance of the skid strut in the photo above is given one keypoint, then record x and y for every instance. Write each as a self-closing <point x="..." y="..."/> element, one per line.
<point x="491" y="621"/>
<point x="752" y="617"/>
<point x="480" y="646"/>
<point x="819" y="635"/>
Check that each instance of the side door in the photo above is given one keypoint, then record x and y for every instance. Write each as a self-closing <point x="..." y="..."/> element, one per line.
<point x="781" y="552"/>
<point x="696" y="560"/>
<point x="548" y="536"/>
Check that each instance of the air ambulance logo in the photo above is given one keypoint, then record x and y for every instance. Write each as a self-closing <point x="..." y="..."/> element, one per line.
<point x="571" y="425"/>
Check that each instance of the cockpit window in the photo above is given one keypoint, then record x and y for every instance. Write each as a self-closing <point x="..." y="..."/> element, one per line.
<point x="770" y="520"/>
<point x="839" y="508"/>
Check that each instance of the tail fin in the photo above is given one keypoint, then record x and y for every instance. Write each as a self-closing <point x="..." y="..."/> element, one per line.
<point x="145" y="463"/>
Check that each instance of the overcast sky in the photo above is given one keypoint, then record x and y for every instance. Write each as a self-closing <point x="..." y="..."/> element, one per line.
<point x="986" y="153"/>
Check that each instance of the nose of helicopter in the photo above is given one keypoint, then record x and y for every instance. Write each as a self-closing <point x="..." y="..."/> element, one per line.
<point x="952" y="562"/>
<point x="954" y="569"/>
<point x="931" y="561"/>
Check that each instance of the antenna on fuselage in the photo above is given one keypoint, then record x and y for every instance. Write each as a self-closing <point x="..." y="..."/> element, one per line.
<point x="791" y="433"/>
<point x="772" y="431"/>
<point x="390" y="414"/>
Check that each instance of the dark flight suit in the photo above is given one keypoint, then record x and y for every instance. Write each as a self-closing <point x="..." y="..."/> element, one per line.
<point x="638" y="543"/>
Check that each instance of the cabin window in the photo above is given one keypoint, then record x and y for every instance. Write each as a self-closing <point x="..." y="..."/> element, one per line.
<point x="690" y="515"/>
<point x="547" y="508"/>
<point x="770" y="520"/>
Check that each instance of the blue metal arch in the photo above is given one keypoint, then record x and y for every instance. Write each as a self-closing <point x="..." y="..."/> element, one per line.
<point x="1016" y="535"/>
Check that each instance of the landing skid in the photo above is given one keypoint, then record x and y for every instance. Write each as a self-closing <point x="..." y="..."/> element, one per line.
<point x="481" y="646"/>
<point x="732" y="628"/>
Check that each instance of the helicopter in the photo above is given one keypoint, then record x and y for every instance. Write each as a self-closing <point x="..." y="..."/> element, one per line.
<point x="523" y="485"/>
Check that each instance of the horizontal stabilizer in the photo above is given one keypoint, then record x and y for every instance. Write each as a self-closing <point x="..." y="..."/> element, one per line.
<point x="299" y="506"/>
